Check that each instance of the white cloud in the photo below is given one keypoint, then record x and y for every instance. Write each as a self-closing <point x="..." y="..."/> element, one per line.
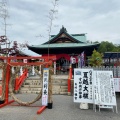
<point x="98" y="18"/>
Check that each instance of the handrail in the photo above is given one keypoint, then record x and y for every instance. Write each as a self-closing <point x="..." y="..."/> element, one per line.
<point x="20" y="80"/>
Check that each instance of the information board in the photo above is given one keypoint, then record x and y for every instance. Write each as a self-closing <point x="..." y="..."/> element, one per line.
<point x="83" y="85"/>
<point x="117" y="84"/>
<point x="104" y="89"/>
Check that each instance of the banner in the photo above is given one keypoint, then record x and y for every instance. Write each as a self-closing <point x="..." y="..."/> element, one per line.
<point x="83" y="85"/>
<point x="82" y="59"/>
<point x="79" y="61"/>
<point x="45" y="87"/>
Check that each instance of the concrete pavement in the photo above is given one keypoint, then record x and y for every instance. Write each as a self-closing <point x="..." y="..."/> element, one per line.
<point x="63" y="109"/>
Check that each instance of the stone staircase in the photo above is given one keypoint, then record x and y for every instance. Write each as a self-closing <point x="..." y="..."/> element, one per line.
<point x="60" y="84"/>
<point x="33" y="85"/>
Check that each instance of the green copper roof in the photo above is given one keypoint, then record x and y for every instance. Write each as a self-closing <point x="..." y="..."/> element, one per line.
<point x="79" y="37"/>
<point x="76" y="38"/>
<point x="63" y="45"/>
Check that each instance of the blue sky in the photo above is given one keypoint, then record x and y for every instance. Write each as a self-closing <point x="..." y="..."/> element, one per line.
<point x="28" y="20"/>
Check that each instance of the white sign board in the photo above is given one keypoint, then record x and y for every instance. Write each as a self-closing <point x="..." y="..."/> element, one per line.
<point x="83" y="85"/>
<point x="45" y="87"/>
<point x="104" y="89"/>
<point x="117" y="84"/>
<point x="24" y="60"/>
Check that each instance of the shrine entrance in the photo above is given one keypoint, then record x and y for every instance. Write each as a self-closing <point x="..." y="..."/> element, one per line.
<point x="62" y="65"/>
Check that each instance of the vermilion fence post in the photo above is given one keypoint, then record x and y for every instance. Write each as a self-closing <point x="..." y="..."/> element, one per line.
<point x="69" y="80"/>
<point x="7" y="80"/>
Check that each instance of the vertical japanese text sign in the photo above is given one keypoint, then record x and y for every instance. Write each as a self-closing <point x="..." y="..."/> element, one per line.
<point x="45" y="87"/>
<point x="83" y="85"/>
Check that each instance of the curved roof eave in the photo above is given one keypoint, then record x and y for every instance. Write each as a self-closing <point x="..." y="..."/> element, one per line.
<point x="76" y="45"/>
<point x="59" y="35"/>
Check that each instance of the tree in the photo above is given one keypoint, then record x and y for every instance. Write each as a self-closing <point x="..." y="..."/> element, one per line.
<point x="3" y="39"/>
<point x="96" y="59"/>
<point x="51" y="17"/>
<point x="9" y="50"/>
<point x="106" y="46"/>
<point x="4" y="14"/>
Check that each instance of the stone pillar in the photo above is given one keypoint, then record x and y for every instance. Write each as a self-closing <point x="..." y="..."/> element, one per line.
<point x="33" y="70"/>
<point x="40" y="69"/>
<point x="21" y="70"/>
<point x="54" y="68"/>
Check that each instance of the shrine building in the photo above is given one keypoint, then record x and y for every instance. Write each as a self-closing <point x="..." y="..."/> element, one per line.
<point x="64" y="45"/>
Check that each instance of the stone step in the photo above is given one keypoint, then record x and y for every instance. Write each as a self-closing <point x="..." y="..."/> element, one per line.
<point x="56" y="81"/>
<point x="39" y="80"/>
<point x="63" y="90"/>
<point x="32" y="86"/>
<point x="59" y="89"/>
<point x="34" y="77"/>
<point x="36" y="92"/>
<point x="35" y="81"/>
<point x="55" y="92"/>
<point x="39" y="83"/>
<point x="63" y="93"/>
<point x="59" y="77"/>
<point x="59" y="81"/>
<point x="30" y="89"/>
<point x="65" y="82"/>
<point x="64" y="87"/>
<point x="32" y="83"/>
<point x="62" y="84"/>
<point x="55" y="87"/>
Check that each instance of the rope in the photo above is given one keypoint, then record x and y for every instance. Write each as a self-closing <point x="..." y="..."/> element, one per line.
<point x="3" y="66"/>
<point x="15" y="98"/>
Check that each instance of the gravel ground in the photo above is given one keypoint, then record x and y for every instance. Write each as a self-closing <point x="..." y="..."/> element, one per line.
<point x="63" y="109"/>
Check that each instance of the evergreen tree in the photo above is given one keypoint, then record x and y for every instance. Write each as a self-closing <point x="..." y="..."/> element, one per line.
<point x="95" y="59"/>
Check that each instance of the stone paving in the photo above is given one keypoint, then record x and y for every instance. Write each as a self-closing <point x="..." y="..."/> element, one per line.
<point x="63" y="109"/>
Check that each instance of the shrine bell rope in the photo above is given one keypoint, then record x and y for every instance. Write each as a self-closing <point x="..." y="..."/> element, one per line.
<point x="12" y="81"/>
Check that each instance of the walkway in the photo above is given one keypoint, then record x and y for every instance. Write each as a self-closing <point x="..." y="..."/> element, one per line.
<point x="63" y="109"/>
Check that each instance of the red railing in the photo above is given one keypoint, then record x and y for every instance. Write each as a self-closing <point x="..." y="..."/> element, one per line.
<point x="20" y="80"/>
